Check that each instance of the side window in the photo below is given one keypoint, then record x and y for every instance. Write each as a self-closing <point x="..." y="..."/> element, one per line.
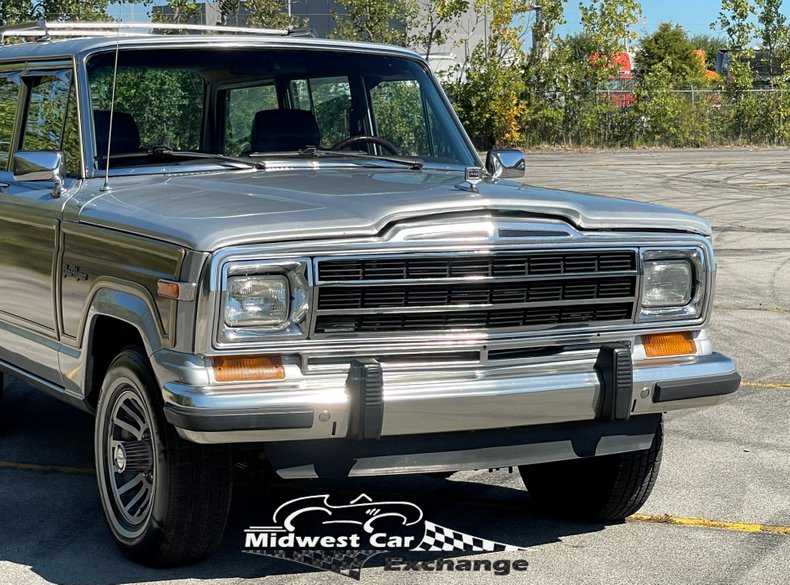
<point x="9" y="97"/>
<point x="241" y="105"/>
<point x="51" y="118"/>
<point x="46" y="112"/>
<point x="399" y="115"/>
<point x="300" y="95"/>
<point x="330" y="100"/>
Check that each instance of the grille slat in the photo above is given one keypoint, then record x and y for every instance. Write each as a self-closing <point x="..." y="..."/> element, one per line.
<point x="374" y="323"/>
<point x="483" y="294"/>
<point x="424" y="294"/>
<point x="523" y="264"/>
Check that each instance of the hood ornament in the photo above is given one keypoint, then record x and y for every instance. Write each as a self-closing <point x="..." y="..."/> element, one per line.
<point x="472" y="176"/>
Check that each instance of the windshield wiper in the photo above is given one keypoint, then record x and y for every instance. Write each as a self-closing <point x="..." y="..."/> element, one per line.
<point x="314" y="152"/>
<point x="165" y="152"/>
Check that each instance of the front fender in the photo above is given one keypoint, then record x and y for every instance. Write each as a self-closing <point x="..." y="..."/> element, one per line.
<point x="131" y="304"/>
<point x="127" y="302"/>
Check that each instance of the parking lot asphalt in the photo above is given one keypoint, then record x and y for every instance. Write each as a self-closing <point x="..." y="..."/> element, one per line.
<point x="720" y="511"/>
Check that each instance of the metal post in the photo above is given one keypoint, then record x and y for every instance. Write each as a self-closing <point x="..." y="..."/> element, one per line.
<point x="538" y="32"/>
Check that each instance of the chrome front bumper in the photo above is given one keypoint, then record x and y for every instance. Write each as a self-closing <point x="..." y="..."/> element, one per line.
<point x="418" y="402"/>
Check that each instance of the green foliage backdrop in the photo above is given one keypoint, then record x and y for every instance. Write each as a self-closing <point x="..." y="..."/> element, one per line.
<point x="567" y="92"/>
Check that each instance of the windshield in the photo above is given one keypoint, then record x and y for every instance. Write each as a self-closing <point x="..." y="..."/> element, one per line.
<point x="270" y="103"/>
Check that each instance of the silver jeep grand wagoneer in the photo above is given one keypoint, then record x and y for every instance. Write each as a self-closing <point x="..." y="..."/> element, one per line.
<point x="271" y="240"/>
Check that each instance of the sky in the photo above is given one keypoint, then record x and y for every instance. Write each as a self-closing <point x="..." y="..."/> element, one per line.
<point x="693" y="15"/>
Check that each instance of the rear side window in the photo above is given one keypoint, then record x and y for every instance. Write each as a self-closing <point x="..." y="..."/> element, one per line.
<point x="9" y="98"/>
<point x="241" y="106"/>
<point x="330" y="100"/>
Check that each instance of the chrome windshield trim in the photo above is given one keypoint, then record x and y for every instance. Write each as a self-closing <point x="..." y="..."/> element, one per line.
<point x="279" y="165"/>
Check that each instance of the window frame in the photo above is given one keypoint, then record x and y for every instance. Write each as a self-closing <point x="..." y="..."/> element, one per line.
<point x="13" y="70"/>
<point x="33" y="68"/>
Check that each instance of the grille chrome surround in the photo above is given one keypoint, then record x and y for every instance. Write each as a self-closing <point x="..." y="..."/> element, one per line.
<point x="479" y="292"/>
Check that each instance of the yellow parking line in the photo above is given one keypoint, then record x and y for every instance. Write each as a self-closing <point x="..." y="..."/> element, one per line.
<point x="46" y="468"/>
<point x="765" y="385"/>
<point x="705" y="523"/>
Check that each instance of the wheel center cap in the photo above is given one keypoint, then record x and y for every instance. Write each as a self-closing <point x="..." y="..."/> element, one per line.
<point x="120" y="457"/>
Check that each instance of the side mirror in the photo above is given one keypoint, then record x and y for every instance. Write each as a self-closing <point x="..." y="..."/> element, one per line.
<point x="40" y="165"/>
<point x="507" y="163"/>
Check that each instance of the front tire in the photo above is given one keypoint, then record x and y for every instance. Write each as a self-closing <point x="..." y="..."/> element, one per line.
<point x="603" y="489"/>
<point x="166" y="500"/>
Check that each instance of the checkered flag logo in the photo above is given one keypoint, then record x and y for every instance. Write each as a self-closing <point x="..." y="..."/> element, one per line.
<point x="440" y="538"/>
<point x="343" y="562"/>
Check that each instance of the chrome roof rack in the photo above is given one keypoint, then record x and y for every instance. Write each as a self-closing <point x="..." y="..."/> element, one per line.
<point x="44" y="30"/>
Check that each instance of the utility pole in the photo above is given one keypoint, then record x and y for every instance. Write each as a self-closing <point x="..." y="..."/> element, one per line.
<point x="538" y="33"/>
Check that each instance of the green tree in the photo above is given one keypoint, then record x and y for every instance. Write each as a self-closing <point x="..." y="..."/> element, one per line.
<point x="711" y="44"/>
<point x="433" y="19"/>
<point x="270" y="14"/>
<point x="548" y="15"/>
<point x="13" y="11"/>
<point x="489" y="98"/>
<point x="183" y="12"/>
<point x="381" y="21"/>
<point x="774" y="32"/>
<point x="670" y="47"/>
<point x="581" y="46"/>
<point x="735" y="22"/>
<point x="609" y="24"/>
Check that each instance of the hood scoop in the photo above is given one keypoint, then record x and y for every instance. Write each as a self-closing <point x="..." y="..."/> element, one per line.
<point x="482" y="228"/>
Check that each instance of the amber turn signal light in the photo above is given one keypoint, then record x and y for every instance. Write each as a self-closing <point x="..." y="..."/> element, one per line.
<point x="247" y="368"/>
<point x="666" y="344"/>
<point x="168" y="289"/>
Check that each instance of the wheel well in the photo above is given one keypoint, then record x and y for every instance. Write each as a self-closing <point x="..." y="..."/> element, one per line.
<point x="108" y="337"/>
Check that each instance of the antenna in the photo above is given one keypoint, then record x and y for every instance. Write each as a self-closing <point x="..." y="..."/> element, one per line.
<point x="106" y="186"/>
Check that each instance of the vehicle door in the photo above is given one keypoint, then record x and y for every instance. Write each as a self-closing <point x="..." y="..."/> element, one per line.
<point x="41" y="101"/>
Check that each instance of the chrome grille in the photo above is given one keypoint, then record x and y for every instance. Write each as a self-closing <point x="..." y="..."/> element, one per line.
<point x="500" y="291"/>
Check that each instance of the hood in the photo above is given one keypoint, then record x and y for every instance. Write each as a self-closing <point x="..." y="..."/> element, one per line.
<point x="208" y="211"/>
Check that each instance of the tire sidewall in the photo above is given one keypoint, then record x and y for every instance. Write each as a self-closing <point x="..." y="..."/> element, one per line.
<point x="130" y="372"/>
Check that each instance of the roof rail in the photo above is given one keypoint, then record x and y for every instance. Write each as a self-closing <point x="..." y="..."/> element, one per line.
<point x="44" y="30"/>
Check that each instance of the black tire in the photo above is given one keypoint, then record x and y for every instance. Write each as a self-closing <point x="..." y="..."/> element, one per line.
<point x="183" y="490"/>
<point x="601" y="489"/>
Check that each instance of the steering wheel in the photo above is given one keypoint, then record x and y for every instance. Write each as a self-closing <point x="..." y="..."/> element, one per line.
<point x="354" y="140"/>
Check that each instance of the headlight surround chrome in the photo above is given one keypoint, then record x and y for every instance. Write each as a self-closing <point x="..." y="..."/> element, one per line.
<point x="264" y="299"/>
<point x="674" y="284"/>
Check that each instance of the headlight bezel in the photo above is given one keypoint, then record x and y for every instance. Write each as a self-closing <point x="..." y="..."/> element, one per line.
<point x="296" y="271"/>
<point x="692" y="310"/>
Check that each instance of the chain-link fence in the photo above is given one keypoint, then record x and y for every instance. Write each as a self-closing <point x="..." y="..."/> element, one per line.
<point x="678" y="118"/>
